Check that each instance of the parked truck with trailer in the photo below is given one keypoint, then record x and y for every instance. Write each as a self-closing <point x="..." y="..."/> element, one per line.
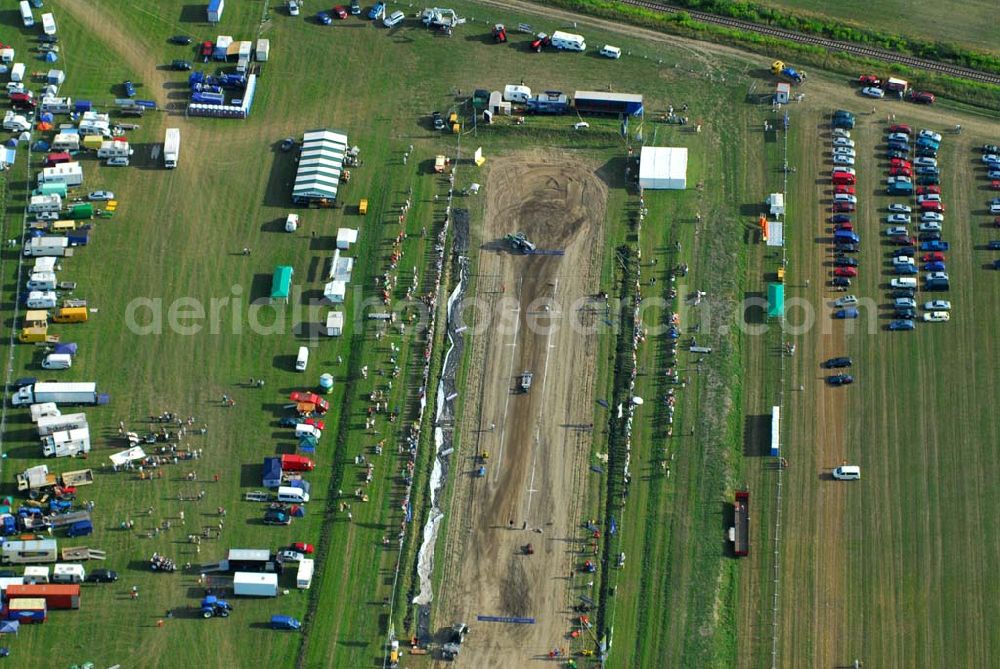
<point x="171" y="147"/>
<point x="59" y="392"/>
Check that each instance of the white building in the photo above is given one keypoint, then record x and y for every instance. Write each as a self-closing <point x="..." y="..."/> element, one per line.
<point x="663" y="168"/>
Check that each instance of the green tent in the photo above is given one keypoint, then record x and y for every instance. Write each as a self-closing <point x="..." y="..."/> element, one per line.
<point x="775" y="300"/>
<point x="281" y="283"/>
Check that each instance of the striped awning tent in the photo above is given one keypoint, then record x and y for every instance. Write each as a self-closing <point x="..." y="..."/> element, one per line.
<point x="320" y="164"/>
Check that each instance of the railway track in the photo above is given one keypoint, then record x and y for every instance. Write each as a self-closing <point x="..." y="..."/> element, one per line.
<point x="831" y="45"/>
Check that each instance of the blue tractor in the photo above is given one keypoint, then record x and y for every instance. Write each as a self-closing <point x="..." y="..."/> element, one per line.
<point x="213" y="607"/>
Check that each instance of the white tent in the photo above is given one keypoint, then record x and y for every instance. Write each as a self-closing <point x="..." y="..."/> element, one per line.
<point x="334" y="324"/>
<point x="320" y="163"/>
<point x="335" y="291"/>
<point x="776" y="204"/>
<point x="663" y="167"/>
<point x="346" y="237"/>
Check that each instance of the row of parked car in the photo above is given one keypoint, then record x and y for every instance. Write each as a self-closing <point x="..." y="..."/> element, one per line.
<point x="991" y="161"/>
<point x="845" y="239"/>
<point x="911" y="155"/>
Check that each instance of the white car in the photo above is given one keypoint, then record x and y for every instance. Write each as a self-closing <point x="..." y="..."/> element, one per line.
<point x="929" y="226"/>
<point x="930" y="134"/>
<point x="900" y="208"/>
<point x="289" y="556"/>
<point x="995" y="208"/>
<point x="899" y="137"/>
<point x="937" y="316"/>
<point x="898" y="261"/>
<point x="937" y="276"/>
<point x="841" y="132"/>
<point x="938" y="305"/>
<point x="897" y="231"/>
<point x="119" y="161"/>
<point x="905" y="303"/>
<point x="846" y="301"/>
<point x="843" y="160"/>
<point x="847" y="473"/>
<point x="897" y="219"/>
<point x="929" y="197"/>
<point x="932" y="216"/>
<point x="872" y="92"/>
<point x="846" y="150"/>
<point x="924" y="160"/>
<point x="580" y="125"/>
<point x="991" y="158"/>
<point x="394" y="19"/>
<point x="845" y="197"/>
<point x="843" y="141"/>
<point x="101" y="195"/>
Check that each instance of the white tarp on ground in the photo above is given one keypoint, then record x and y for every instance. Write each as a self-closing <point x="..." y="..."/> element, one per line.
<point x="346" y="237"/>
<point x="663" y="167"/>
<point x="125" y="457"/>
<point x="775" y="233"/>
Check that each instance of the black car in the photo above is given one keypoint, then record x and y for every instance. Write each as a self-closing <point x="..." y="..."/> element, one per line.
<point x="906" y="313"/>
<point x="840" y="379"/>
<point x="847" y="248"/>
<point x="904" y="251"/>
<point x="990" y="148"/>
<point x="180" y="65"/>
<point x="926" y="152"/>
<point x="899" y="146"/>
<point x="287" y="144"/>
<point x="182" y="40"/>
<point x="895" y="153"/>
<point x="48" y="39"/>
<point x="996" y="264"/>
<point x="845" y="261"/>
<point x="903" y="292"/>
<point x="928" y="180"/>
<point x="438" y="121"/>
<point x="930" y="236"/>
<point x="275" y="517"/>
<point x="833" y="363"/>
<point x="841" y="218"/>
<point x="102" y="576"/>
<point x="840" y="282"/>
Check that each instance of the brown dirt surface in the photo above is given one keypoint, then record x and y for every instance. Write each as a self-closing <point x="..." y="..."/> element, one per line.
<point x="538" y="450"/>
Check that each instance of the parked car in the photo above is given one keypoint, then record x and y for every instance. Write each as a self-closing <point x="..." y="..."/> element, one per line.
<point x="845" y="271"/>
<point x="834" y="363"/>
<point x="840" y="379"/>
<point x="842" y="207"/>
<point x="897" y="128"/>
<point x="102" y="576"/>
<point x="922" y="97"/>
<point x="846" y="301"/>
<point x="900" y="172"/>
<point x="340" y="12"/>
<point x="904" y="313"/>
<point x="927" y="190"/>
<point x="205" y="51"/>
<point x="844" y="226"/>
<point x="276" y="517"/>
<point x="180" y="64"/>
<point x="936" y="256"/>
<point x="303" y="547"/>
<point x="902" y="325"/>
<point x="899" y="162"/>
<point x="840" y="282"/>
<point x="904" y="303"/>
<point x="930" y="236"/>
<point x="118" y="161"/>
<point x="896" y="153"/>
<point x="841" y="132"/>
<point x="869" y="80"/>
<point x="847" y="247"/>
<point x="929" y="226"/>
<point x="840" y="159"/>
<point x="932" y="205"/>
<point x="288" y="623"/>
<point x="377" y="11"/>
<point x="101" y="195"/>
<point x="934" y="266"/>
<point x="993" y="245"/>
<point x="938" y="305"/>
<point x="925" y="161"/>
<point x="843" y="141"/>
<point x="181" y="40"/>
<point x="289" y="556"/>
<point x="937" y="276"/>
<point x="324" y="18"/>
<point x="936" y="245"/>
<point x="904" y="251"/>
<point x="990" y="148"/>
<point x="927" y="169"/>
<point x="930" y="134"/>
<point x="928" y="180"/>
<point x="841" y="218"/>
<point x="902" y="260"/>
<point x="904" y="270"/>
<point x="937" y="316"/>
<point x="902" y="240"/>
<point x="898" y="218"/>
<point x="900" y="208"/>
<point x="899" y="146"/>
<point x="899" y="137"/>
<point x="843" y="189"/>
<point x="394" y="19"/>
<point x="287" y="144"/>
<point x="925" y="152"/>
<point x="129" y="89"/>
<point x="849" y="312"/>
<point x="355" y="7"/>
<point x="897" y="231"/>
<point x="932" y="216"/>
<point x="845" y="261"/>
<point x="844" y="151"/>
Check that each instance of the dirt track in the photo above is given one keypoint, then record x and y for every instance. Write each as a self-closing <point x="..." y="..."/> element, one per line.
<point x="538" y="449"/>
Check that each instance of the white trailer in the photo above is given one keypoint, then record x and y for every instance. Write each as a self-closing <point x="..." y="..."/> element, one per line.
<point x="35" y="575"/>
<point x="17" y="72"/>
<point x="42" y="203"/>
<point x="568" y="41"/>
<point x="48" y="24"/>
<point x="304" y="577"/>
<point x="68" y="443"/>
<point x="59" y="392"/>
<point x="171" y="147"/>
<point x="263" y="50"/>
<point x="65" y="572"/>
<point x="27" y="552"/>
<point x="70" y="174"/>
<point x="44" y="410"/>
<point x="114" y="149"/>
<point x="55" y="105"/>
<point x="48" y="247"/>
<point x="66" y="141"/>
<point x="15" y="122"/>
<point x="51" y="424"/>
<point x="26" y="16"/>
<point x="253" y="584"/>
<point x="516" y="93"/>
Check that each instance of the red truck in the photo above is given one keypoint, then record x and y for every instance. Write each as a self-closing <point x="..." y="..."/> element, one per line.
<point x="302" y="397"/>
<point x="56" y="596"/>
<point x="740" y="532"/>
<point x="296" y="463"/>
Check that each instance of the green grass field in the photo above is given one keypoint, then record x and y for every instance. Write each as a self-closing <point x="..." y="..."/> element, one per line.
<point x="971" y="24"/>
<point x="680" y="601"/>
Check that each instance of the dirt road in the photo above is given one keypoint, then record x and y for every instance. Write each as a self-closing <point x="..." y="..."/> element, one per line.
<point x="537" y="441"/>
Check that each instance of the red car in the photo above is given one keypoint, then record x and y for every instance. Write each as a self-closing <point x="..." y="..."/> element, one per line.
<point x="922" y="97"/>
<point x="845" y="271"/>
<point x="339" y="12"/>
<point x="847" y="225"/>
<point x="899" y="127"/>
<point x="934" y="257"/>
<point x="843" y="207"/>
<point x="899" y="162"/>
<point x="869" y="80"/>
<point x="306" y="397"/>
<point x="304" y="548"/>
<point x="206" y="49"/>
<point x="903" y="241"/>
<point x="316" y="423"/>
<point x="932" y="206"/>
<point x="900" y="172"/>
<point x="995" y="184"/>
<point x="928" y="190"/>
<point x="843" y="179"/>
<point x="843" y="189"/>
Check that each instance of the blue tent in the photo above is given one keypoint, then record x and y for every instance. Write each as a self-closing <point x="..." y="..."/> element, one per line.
<point x="46" y="117"/>
<point x="51" y="57"/>
<point x="9" y="626"/>
<point x="12" y="142"/>
<point x="40" y="145"/>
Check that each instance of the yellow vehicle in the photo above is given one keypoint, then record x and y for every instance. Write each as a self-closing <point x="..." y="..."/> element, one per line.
<point x="363" y="206"/>
<point x="38" y="334"/>
<point x="70" y="315"/>
<point x="63" y="226"/>
<point x="36" y="318"/>
<point x="781" y="275"/>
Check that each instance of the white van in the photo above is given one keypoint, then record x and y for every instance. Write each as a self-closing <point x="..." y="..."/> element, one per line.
<point x="302" y="360"/>
<point x="57" y="361"/>
<point x="847" y="473"/>
<point x="26" y="16"/>
<point x="306" y="430"/>
<point x="394" y="19"/>
<point x="292" y="495"/>
<point x="41" y="299"/>
<point x="609" y="51"/>
<point x="904" y="282"/>
<point x="68" y="573"/>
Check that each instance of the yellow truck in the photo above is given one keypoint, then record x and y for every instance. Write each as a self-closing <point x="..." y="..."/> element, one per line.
<point x="36" y="318"/>
<point x="363" y="206"/>
<point x="70" y="315"/>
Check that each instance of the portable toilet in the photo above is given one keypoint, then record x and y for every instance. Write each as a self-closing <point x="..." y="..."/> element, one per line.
<point x="326" y="382"/>
<point x="17" y="72"/>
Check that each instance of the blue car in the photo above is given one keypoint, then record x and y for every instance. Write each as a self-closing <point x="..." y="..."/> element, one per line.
<point x="846" y="313"/>
<point x="936" y="266"/>
<point x="377" y="11"/>
<point x="994" y="245"/>
<point x="902" y="325"/>
<point x="129" y="89"/>
<point x="905" y="270"/>
<point x="927" y="169"/>
<point x="285" y="623"/>
<point x="936" y="245"/>
<point x="324" y="18"/>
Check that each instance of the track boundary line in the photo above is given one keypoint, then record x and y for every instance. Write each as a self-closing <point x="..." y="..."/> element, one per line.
<point x="510" y="372"/>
